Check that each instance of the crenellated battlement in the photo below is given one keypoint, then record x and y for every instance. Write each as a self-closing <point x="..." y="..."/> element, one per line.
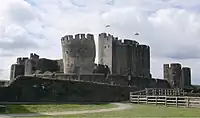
<point x="78" y="37"/>
<point x="143" y="47"/>
<point x="129" y="42"/>
<point x="34" y="56"/>
<point x="186" y="68"/>
<point x="175" y="65"/>
<point x="108" y="36"/>
<point x="21" y="60"/>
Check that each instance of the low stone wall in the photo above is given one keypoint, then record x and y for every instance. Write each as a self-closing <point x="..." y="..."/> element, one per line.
<point x="71" y="88"/>
<point x="30" y="89"/>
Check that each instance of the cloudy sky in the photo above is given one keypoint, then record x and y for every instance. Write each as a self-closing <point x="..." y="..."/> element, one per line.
<point x="170" y="27"/>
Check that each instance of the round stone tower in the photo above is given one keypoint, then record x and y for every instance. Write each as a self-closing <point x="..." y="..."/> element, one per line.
<point x="78" y="53"/>
<point x="175" y="75"/>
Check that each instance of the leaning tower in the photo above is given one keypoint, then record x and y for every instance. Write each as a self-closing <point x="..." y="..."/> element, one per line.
<point x="78" y="53"/>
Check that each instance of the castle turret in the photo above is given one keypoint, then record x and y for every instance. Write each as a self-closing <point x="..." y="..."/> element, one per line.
<point x="166" y="71"/>
<point x="105" y="49"/>
<point x="143" y="61"/>
<point x="173" y="74"/>
<point x="78" y="53"/>
<point x="186" y="77"/>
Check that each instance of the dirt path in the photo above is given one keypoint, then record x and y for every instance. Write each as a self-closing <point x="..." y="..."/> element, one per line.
<point x="121" y="106"/>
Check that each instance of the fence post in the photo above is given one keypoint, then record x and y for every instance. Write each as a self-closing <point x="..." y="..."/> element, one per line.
<point x="156" y="100"/>
<point x="138" y="99"/>
<point x="165" y="100"/>
<point x="188" y="102"/>
<point x="146" y="99"/>
<point x="176" y="101"/>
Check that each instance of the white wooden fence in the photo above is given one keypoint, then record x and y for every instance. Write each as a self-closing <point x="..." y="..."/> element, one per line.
<point x="178" y="101"/>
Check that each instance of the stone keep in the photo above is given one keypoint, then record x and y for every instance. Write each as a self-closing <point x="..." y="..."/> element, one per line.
<point x="78" y="53"/>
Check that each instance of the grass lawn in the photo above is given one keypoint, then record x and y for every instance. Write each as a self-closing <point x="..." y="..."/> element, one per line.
<point x="141" y="111"/>
<point x="54" y="107"/>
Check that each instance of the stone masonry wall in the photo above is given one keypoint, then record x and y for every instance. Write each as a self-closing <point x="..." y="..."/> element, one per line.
<point x="123" y="56"/>
<point x="78" y="53"/>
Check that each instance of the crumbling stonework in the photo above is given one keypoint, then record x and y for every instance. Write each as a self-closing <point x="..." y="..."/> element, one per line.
<point x="32" y="65"/>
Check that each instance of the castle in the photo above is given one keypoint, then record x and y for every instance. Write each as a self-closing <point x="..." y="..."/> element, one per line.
<point x="79" y="52"/>
<point x="122" y="57"/>
<point x="123" y="66"/>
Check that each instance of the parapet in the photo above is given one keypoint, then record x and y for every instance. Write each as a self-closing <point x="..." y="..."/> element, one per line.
<point x="128" y="41"/>
<point x="21" y="60"/>
<point x="166" y="65"/>
<point x="175" y="65"/>
<point x="34" y="56"/>
<point x="143" y="46"/>
<point x="107" y="36"/>
<point x="77" y="37"/>
<point x="118" y="42"/>
<point x="103" y="35"/>
<point x="186" y="68"/>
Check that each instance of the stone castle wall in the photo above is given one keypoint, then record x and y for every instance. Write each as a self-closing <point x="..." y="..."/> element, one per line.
<point x="70" y="88"/>
<point x="120" y="80"/>
<point x="120" y="56"/>
<point x="78" y="53"/>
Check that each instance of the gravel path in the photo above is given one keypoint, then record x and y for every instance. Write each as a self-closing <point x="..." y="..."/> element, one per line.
<point x="121" y="106"/>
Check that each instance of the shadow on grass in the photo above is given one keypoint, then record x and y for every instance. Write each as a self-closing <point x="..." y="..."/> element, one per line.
<point x="15" y="109"/>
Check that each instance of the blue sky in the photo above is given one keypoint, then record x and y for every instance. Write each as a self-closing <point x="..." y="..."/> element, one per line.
<point x="170" y="27"/>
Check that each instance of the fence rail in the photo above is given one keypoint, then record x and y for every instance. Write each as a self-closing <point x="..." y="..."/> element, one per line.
<point x="178" y="101"/>
<point x="160" y="92"/>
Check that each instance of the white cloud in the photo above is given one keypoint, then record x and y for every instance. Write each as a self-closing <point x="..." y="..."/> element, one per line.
<point x="172" y="33"/>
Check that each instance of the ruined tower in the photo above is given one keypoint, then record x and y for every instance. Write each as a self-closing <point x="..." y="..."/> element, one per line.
<point x="177" y="76"/>
<point x="165" y="71"/>
<point x="143" y="61"/>
<point x="78" y="53"/>
<point x="31" y="64"/>
<point x="173" y="74"/>
<point x="186" y="77"/>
